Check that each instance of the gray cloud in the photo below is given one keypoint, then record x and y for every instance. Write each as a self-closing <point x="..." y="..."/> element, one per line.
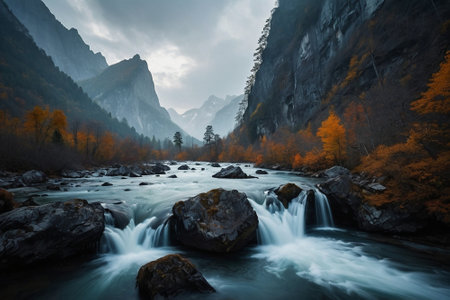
<point x="193" y="48"/>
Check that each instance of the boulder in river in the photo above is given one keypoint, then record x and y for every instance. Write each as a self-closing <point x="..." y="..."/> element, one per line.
<point x="232" y="172"/>
<point x="169" y="276"/>
<point x="217" y="221"/>
<point x="183" y="167"/>
<point x="51" y="231"/>
<point x="261" y="172"/>
<point x="215" y="165"/>
<point x="120" y="212"/>
<point x="33" y="177"/>
<point x="287" y="192"/>
<point x="107" y="184"/>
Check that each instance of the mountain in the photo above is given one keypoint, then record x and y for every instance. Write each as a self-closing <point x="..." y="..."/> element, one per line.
<point x="127" y="91"/>
<point x="224" y="119"/>
<point x="195" y="120"/>
<point x="67" y="49"/>
<point x="332" y="53"/>
<point x="28" y="77"/>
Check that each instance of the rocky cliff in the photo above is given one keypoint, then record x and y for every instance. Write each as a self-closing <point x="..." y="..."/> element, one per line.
<point x="66" y="48"/>
<point x="328" y="53"/>
<point x="127" y="91"/>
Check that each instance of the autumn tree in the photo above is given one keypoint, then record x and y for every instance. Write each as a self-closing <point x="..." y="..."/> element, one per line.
<point x="178" y="140"/>
<point x="332" y="134"/>
<point x="436" y="99"/>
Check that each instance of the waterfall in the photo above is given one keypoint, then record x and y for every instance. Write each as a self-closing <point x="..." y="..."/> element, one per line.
<point x="134" y="238"/>
<point x="278" y="225"/>
<point x="323" y="210"/>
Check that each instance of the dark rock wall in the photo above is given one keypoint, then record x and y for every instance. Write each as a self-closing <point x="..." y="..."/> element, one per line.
<point x="307" y="64"/>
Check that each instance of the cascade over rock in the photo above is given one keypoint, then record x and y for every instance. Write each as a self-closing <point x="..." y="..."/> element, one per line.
<point x="217" y="221"/>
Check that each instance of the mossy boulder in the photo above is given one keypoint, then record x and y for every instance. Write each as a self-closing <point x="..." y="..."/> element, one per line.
<point x="169" y="276"/>
<point x="287" y="192"/>
<point x="217" y="221"/>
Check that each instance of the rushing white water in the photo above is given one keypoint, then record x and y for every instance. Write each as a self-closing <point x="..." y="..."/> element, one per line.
<point x="289" y="260"/>
<point x="135" y="238"/>
<point x="323" y="211"/>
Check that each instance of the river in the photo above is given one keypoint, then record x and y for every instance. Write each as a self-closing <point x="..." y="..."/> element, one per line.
<point x="289" y="261"/>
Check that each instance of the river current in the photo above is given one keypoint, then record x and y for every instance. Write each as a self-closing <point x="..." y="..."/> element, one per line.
<point x="290" y="260"/>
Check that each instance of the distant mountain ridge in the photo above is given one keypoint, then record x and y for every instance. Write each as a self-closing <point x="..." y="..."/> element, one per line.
<point x="28" y="77"/>
<point x="67" y="49"/>
<point x="224" y="120"/>
<point x="195" y="120"/>
<point x="127" y="91"/>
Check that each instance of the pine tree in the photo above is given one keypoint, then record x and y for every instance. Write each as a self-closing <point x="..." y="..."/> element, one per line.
<point x="178" y="140"/>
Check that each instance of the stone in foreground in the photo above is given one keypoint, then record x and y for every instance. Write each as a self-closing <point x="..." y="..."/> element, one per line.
<point x="6" y="201"/>
<point x="232" y="172"/>
<point x="52" y="231"/>
<point x="217" y="221"/>
<point x="169" y="276"/>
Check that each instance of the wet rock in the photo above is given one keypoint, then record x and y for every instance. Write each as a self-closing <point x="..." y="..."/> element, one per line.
<point x="169" y="276"/>
<point x="183" y="167"/>
<point x="127" y="190"/>
<point x="376" y="187"/>
<point x="52" y="231"/>
<point x="193" y="169"/>
<point x="261" y="172"/>
<point x="232" y="172"/>
<point x="53" y="187"/>
<point x="28" y="202"/>
<point x="157" y="169"/>
<point x="7" y="202"/>
<point x="218" y="221"/>
<point x="287" y="192"/>
<point x="173" y="163"/>
<point x="33" y="177"/>
<point x="172" y="176"/>
<point x="344" y="199"/>
<point x="215" y="165"/>
<point x="107" y="184"/>
<point x="336" y="171"/>
<point x="134" y="174"/>
<point x="121" y="171"/>
<point x="392" y="218"/>
<point x="144" y="183"/>
<point x="120" y="212"/>
<point x="71" y="174"/>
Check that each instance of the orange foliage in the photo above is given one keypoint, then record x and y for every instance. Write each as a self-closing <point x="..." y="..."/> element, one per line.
<point x="436" y="99"/>
<point x="332" y="134"/>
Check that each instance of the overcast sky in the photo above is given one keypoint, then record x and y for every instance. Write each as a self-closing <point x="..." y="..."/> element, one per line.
<point x="194" y="48"/>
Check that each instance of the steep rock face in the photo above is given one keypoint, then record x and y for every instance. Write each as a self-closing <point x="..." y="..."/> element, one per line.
<point x="29" y="77"/>
<point x="195" y="120"/>
<point x="224" y="120"/>
<point x="127" y="91"/>
<point x="332" y="52"/>
<point x="66" y="47"/>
